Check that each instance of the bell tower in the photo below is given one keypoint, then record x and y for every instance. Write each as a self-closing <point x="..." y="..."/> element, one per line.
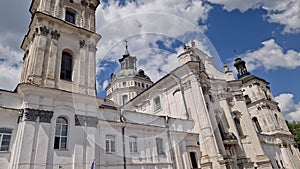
<point x="60" y="46"/>
<point x="240" y="66"/>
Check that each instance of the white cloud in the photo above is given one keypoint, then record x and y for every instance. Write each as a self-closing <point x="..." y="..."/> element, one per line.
<point x="143" y="23"/>
<point x="242" y="5"/>
<point x="10" y="67"/>
<point x="289" y="108"/>
<point x="286" y="13"/>
<point x="170" y="18"/>
<point x="271" y="56"/>
<point x="105" y="84"/>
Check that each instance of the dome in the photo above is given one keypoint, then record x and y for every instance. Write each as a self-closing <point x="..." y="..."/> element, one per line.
<point x="239" y="61"/>
<point x="131" y="73"/>
<point x="126" y="73"/>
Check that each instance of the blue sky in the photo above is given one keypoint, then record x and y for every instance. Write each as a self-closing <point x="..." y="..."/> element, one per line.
<point x="264" y="33"/>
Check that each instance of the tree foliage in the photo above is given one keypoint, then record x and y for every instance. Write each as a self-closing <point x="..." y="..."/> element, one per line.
<point x="295" y="130"/>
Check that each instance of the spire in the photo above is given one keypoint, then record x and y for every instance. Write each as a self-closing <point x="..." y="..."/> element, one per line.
<point x="126" y="51"/>
<point x="127" y="61"/>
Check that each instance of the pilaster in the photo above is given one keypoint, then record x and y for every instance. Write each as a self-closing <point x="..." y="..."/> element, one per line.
<point x="209" y="147"/>
<point x="33" y="140"/>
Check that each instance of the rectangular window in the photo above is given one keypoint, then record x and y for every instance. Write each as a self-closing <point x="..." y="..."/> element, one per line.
<point x="157" y="104"/>
<point x="125" y="99"/>
<point x="160" y="146"/>
<point x="193" y="159"/>
<point x="70" y="17"/>
<point x="110" y="144"/>
<point x="5" y="136"/>
<point x="66" y="67"/>
<point x="133" y="144"/>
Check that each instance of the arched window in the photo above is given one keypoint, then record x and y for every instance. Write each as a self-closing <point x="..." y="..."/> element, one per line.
<point x="61" y="133"/>
<point x="157" y="104"/>
<point x="66" y="66"/>
<point x="256" y="124"/>
<point x="238" y="126"/>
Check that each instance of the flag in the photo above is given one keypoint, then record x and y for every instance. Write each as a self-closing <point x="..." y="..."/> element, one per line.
<point x="93" y="165"/>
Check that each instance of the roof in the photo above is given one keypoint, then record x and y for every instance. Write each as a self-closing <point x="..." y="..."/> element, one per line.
<point x="108" y="104"/>
<point x="247" y="78"/>
<point x="130" y="73"/>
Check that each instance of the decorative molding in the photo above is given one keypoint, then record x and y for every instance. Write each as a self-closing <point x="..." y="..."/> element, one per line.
<point x="92" y="47"/>
<point x="90" y="121"/>
<point x="264" y="106"/>
<point x="45" y="116"/>
<point x="205" y="89"/>
<point x="79" y="120"/>
<point x="186" y="85"/>
<point x="239" y="97"/>
<point x="84" y="3"/>
<point x="44" y="30"/>
<point x="81" y="43"/>
<point x="92" y="6"/>
<point x="32" y="114"/>
<point x="230" y="101"/>
<point x="55" y="34"/>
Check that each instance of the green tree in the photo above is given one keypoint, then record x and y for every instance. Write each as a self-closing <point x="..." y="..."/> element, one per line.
<point x="295" y="130"/>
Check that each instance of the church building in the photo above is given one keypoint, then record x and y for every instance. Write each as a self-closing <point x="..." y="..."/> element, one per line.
<point x="194" y="117"/>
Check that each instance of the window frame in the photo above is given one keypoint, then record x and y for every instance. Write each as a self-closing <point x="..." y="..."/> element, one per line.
<point x="238" y="126"/>
<point x="110" y="144"/>
<point x="59" y="145"/>
<point x="277" y="120"/>
<point x="66" y="66"/>
<point x="125" y="98"/>
<point x="133" y="144"/>
<point x="256" y="125"/>
<point x="157" y="103"/>
<point x="160" y="146"/>
<point x="7" y="134"/>
<point x="70" y="16"/>
<point x="193" y="161"/>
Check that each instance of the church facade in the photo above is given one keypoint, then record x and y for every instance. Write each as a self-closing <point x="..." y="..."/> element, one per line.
<point x="194" y="117"/>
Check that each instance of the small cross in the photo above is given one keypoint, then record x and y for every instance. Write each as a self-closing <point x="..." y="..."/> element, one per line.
<point x="126" y="41"/>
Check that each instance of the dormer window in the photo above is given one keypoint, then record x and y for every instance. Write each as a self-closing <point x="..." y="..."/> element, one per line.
<point x="70" y="16"/>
